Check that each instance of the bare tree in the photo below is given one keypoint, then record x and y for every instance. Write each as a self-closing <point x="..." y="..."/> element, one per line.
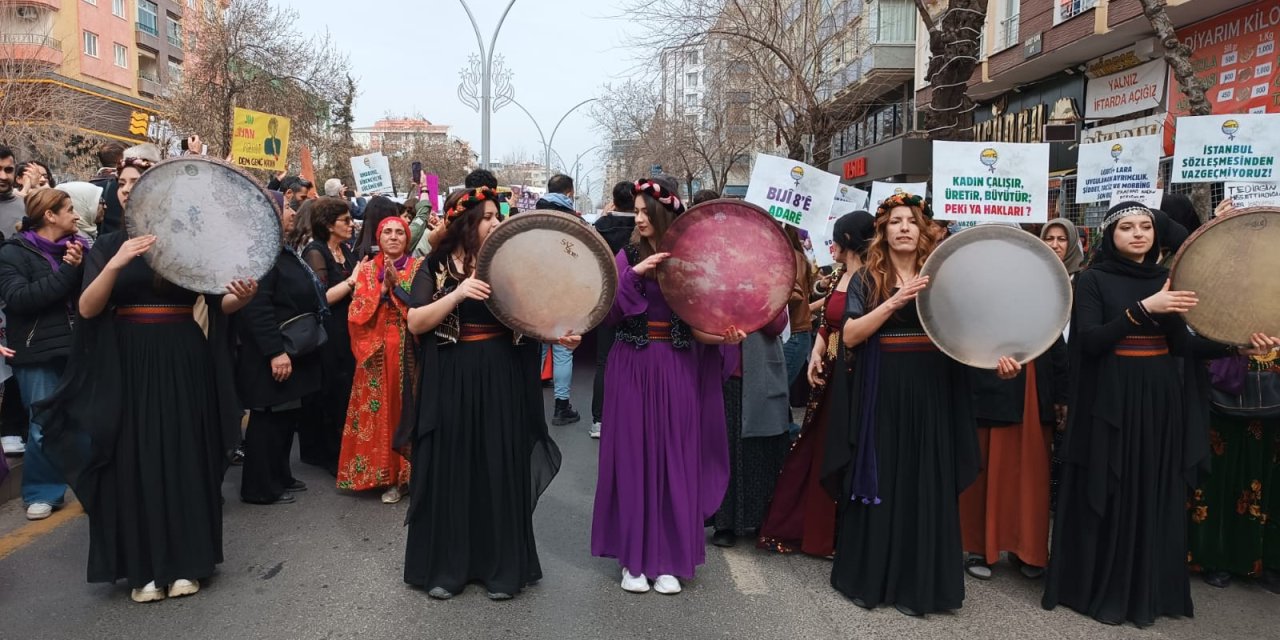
<point x="450" y="159"/>
<point x="955" y="27"/>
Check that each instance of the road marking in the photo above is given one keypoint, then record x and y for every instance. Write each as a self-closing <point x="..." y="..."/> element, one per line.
<point x="37" y="529"/>
<point x="746" y="574"/>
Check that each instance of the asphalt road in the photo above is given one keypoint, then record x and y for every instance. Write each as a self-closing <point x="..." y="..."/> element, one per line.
<point x="329" y="566"/>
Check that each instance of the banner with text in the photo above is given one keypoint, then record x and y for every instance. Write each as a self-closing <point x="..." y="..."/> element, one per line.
<point x="793" y="192"/>
<point x="372" y="173"/>
<point x="259" y="140"/>
<point x="1254" y="194"/>
<point x="991" y="181"/>
<point x="1130" y="163"/>
<point x="1227" y="148"/>
<point x="1235" y="54"/>
<point x="1147" y="197"/>
<point x="853" y="195"/>
<point x="1130" y="90"/>
<point x="882" y="190"/>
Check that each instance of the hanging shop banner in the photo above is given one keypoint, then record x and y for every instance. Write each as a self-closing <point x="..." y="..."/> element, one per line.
<point x="1236" y="54"/>
<point x="882" y="190"/>
<point x="1235" y="148"/>
<point x="1124" y="85"/>
<point x="1130" y="163"/>
<point x="1254" y="194"/>
<point x="259" y="140"/>
<point x="991" y="181"/>
<point x="372" y="172"/>
<point x="1147" y="197"/>
<point x="793" y="192"/>
<point x="853" y="195"/>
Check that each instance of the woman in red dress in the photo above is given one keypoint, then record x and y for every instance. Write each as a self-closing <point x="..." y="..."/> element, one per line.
<point x="802" y="516"/>
<point x="385" y="366"/>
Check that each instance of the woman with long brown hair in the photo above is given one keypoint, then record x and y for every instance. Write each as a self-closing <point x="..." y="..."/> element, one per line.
<point x="901" y="443"/>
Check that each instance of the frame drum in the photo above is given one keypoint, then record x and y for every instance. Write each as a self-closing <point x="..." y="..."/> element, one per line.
<point x="551" y="274"/>
<point x="1231" y="264"/>
<point x="730" y="265"/>
<point x="994" y="291"/>
<point x="212" y="222"/>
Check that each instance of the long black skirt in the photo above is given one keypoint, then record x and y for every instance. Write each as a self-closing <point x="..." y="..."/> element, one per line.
<point x="158" y="513"/>
<point x="754" y="464"/>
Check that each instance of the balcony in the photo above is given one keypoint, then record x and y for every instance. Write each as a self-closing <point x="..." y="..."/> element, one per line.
<point x="55" y="5"/>
<point x="148" y="38"/>
<point x="149" y="87"/>
<point x="32" y="48"/>
<point x="877" y="67"/>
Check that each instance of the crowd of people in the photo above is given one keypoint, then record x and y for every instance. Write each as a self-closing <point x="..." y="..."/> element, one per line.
<point x="1088" y="467"/>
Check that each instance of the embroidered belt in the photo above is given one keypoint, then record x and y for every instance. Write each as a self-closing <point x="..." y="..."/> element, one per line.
<point x="1142" y="347"/>
<point x="479" y="332"/>
<point x="906" y="343"/>
<point x="659" y="331"/>
<point x="154" y="314"/>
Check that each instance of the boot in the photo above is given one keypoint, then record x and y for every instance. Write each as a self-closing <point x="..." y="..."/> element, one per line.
<point x="564" y="413"/>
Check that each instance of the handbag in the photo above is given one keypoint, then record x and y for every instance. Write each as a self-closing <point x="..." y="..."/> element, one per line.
<point x="303" y="334"/>
<point x="1241" y="392"/>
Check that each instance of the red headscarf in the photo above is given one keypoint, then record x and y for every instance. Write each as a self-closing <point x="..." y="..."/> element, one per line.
<point x="381" y="259"/>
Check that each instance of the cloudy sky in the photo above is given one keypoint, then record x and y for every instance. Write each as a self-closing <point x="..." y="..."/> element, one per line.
<point x="407" y="56"/>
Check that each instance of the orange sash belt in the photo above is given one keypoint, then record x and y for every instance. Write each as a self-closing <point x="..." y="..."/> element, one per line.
<point x="659" y="331"/>
<point x="154" y="314"/>
<point x="911" y="343"/>
<point x="1142" y="347"/>
<point x="479" y="332"/>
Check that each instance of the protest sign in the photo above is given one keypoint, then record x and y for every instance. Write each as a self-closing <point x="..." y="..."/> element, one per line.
<point x="853" y="195"/>
<point x="991" y="181"/>
<point x="1254" y="194"/>
<point x="882" y="190"/>
<point x="1129" y="163"/>
<point x="1148" y="197"/>
<point x="1227" y="148"/>
<point x="259" y="140"/>
<point x="372" y="173"/>
<point x="1129" y="90"/>
<point x="431" y="191"/>
<point x="793" y="192"/>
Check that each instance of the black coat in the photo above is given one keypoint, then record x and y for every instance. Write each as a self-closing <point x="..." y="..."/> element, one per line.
<point x="1000" y="402"/>
<point x="616" y="228"/>
<point x="285" y="292"/>
<point x="39" y="302"/>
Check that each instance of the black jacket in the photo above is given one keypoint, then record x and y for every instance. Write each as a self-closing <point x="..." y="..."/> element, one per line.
<point x="616" y="228"/>
<point x="1000" y="402"/>
<point x="543" y="203"/>
<point x="285" y="292"/>
<point x="39" y="302"/>
<point x="113" y="214"/>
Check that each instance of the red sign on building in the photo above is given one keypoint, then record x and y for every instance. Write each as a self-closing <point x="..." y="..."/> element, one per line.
<point x="1236" y="53"/>
<point x="855" y="168"/>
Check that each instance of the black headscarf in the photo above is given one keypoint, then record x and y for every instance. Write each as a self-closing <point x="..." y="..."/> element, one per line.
<point x="1183" y="212"/>
<point x="1170" y="232"/>
<point x="853" y="231"/>
<point x="1109" y="260"/>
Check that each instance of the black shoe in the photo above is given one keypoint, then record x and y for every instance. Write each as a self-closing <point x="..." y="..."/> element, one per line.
<point x="1270" y="580"/>
<point x="297" y="485"/>
<point x="908" y="611"/>
<point x="564" y="414"/>
<point x="724" y="538"/>
<point x="1217" y="579"/>
<point x="237" y="456"/>
<point x="286" y="498"/>
<point x="862" y="603"/>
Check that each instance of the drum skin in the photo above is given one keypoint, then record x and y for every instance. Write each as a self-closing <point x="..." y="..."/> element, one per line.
<point x="552" y="275"/>
<point x="212" y="222"/>
<point x="731" y="265"/>
<point x="994" y="291"/>
<point x="1231" y="264"/>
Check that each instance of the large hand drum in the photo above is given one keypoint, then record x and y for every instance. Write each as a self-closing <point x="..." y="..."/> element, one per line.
<point x="1232" y="264"/>
<point x="551" y="275"/>
<point x="212" y="222"/>
<point x="994" y="291"/>
<point x="730" y="266"/>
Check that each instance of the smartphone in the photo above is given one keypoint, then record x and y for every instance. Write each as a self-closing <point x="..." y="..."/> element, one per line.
<point x="504" y="209"/>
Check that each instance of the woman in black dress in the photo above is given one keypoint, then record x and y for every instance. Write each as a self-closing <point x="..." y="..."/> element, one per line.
<point x="1138" y="433"/>
<point x="272" y="381"/>
<point x="154" y="399"/>
<point x="333" y="262"/>
<point x="481" y="451"/>
<point x="901" y="443"/>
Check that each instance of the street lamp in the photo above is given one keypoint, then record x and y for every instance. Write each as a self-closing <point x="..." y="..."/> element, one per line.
<point x="546" y="142"/>
<point x="486" y="77"/>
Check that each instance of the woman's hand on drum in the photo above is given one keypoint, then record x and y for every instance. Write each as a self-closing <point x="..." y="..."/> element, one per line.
<point x="1166" y="301"/>
<point x="1262" y="345"/>
<point x="648" y="264"/>
<point x="569" y="341"/>
<point x="1060" y="414"/>
<point x="132" y="248"/>
<point x="281" y="367"/>
<point x="1224" y="208"/>
<point x="1007" y="368"/>
<point x="733" y="336"/>
<point x="474" y="289"/>
<point x="910" y="289"/>
<point x="74" y="254"/>
<point x="243" y="289"/>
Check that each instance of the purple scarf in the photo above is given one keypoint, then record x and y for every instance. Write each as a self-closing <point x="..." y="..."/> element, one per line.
<point x="53" y="250"/>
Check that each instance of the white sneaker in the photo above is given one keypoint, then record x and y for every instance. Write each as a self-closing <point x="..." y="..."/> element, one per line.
<point x="149" y="593"/>
<point x="391" y="496"/>
<point x="39" y="511"/>
<point x="595" y="430"/>
<point x="13" y="445"/>
<point x="634" y="584"/>
<point x="182" y="587"/>
<point x="667" y="585"/>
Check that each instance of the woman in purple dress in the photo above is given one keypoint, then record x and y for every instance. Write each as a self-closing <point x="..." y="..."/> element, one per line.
<point x="664" y="460"/>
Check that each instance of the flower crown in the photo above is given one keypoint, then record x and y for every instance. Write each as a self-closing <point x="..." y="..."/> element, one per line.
<point x="470" y="199"/>
<point x="660" y="193"/>
<point x="904" y="200"/>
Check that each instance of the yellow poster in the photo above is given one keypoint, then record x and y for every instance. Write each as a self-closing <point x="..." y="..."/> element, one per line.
<point x="259" y="140"/>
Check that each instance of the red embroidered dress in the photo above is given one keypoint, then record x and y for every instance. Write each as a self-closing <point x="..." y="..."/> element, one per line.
<point x="383" y="348"/>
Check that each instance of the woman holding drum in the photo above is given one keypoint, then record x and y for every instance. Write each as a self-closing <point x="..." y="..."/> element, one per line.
<point x="1137" y="435"/>
<point x="481" y="451"/>
<point x="901" y="445"/>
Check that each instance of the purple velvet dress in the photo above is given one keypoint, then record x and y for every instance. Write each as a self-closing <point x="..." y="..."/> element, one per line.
<point x="664" y="460"/>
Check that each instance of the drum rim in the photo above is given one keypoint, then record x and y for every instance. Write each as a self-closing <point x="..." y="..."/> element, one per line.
<point x="571" y="224"/>
<point x="1186" y="245"/>
<point x="130" y="225"/>
<point x="988" y="232"/>
<point x="752" y="207"/>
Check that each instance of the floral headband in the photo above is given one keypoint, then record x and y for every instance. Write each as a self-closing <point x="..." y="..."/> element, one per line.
<point x="470" y="199"/>
<point x="904" y="200"/>
<point x="660" y="193"/>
